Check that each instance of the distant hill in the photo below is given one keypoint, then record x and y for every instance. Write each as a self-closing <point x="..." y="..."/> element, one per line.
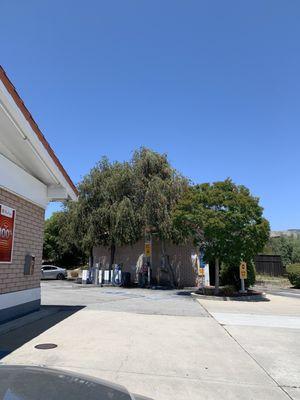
<point x="287" y="232"/>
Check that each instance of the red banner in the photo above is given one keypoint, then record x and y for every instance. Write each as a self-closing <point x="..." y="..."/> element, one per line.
<point x="7" y="222"/>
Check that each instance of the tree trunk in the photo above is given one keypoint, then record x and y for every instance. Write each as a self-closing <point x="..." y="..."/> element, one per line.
<point x="217" y="277"/>
<point x="91" y="263"/>
<point x="91" y="258"/>
<point x="212" y="272"/>
<point x="167" y="264"/>
<point x="112" y="259"/>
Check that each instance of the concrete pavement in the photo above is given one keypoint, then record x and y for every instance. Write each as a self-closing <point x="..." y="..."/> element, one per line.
<point x="269" y="332"/>
<point x="158" y="344"/>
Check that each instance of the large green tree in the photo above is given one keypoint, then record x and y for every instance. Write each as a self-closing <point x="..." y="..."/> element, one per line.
<point x="160" y="187"/>
<point x="119" y="202"/>
<point x="59" y="246"/>
<point x="225" y="220"/>
<point x="107" y="210"/>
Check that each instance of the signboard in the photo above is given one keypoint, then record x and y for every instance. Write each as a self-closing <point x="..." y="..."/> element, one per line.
<point x="148" y="249"/>
<point x="7" y="224"/>
<point x="243" y="270"/>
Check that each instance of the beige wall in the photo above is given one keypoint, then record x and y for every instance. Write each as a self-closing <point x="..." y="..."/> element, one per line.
<point x="179" y="255"/>
<point x="28" y="239"/>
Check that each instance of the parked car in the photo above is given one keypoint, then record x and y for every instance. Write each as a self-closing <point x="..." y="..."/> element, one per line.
<point x="36" y="383"/>
<point x="53" y="272"/>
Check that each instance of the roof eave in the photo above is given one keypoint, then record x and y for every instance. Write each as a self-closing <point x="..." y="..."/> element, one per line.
<point x="71" y="190"/>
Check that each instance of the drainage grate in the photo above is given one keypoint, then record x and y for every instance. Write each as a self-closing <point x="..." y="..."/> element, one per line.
<point x="45" y="346"/>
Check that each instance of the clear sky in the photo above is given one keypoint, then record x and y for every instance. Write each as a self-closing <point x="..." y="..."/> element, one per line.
<point x="214" y="83"/>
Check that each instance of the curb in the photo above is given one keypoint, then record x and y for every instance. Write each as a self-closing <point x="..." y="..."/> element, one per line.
<point x="258" y="297"/>
<point x="26" y="319"/>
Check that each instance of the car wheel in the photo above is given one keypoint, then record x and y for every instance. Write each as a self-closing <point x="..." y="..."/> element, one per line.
<point x="60" y="276"/>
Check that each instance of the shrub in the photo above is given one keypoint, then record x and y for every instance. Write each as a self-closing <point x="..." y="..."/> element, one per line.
<point x="293" y="271"/>
<point x="230" y="275"/>
<point x="228" y="290"/>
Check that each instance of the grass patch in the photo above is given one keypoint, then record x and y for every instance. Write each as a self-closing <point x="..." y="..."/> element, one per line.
<point x="279" y="281"/>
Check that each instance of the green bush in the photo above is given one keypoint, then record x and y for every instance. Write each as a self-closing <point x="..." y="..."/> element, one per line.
<point x="293" y="271"/>
<point x="230" y="275"/>
<point x="228" y="290"/>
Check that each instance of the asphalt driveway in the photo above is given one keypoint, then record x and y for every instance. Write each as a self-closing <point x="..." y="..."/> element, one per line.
<point x="137" y="301"/>
<point x="162" y="344"/>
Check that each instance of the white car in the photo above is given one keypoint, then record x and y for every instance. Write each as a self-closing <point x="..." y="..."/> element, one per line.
<point x="53" y="272"/>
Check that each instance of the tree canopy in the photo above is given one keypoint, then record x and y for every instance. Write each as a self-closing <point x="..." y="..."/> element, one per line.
<point x="59" y="246"/>
<point x="120" y="201"/>
<point x="160" y="187"/>
<point x="224" y="219"/>
<point x="107" y="210"/>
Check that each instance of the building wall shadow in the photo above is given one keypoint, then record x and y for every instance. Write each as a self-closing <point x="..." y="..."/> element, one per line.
<point x="14" y="339"/>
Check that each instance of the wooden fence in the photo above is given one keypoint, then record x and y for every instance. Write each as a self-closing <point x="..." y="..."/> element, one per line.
<point x="269" y="265"/>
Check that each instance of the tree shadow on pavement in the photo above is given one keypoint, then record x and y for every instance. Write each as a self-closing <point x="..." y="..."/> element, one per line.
<point x="185" y="292"/>
<point x="15" y="338"/>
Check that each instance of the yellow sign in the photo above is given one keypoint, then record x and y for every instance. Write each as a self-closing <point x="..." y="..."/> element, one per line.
<point x="243" y="270"/>
<point x="148" y="249"/>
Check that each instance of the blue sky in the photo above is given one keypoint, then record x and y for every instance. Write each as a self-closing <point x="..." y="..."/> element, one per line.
<point x="215" y="84"/>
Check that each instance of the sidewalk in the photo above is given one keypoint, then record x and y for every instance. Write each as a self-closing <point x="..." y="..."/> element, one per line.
<point x="269" y="332"/>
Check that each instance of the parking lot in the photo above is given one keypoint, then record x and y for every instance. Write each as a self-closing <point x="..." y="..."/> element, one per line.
<point x="165" y="344"/>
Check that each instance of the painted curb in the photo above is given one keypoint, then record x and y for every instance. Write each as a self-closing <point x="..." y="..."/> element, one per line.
<point x="259" y="297"/>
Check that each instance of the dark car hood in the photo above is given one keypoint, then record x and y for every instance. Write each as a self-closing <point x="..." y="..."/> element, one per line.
<point x="37" y="383"/>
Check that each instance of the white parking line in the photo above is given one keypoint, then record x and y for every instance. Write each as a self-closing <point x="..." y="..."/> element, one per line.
<point x="268" y="321"/>
<point x="289" y="294"/>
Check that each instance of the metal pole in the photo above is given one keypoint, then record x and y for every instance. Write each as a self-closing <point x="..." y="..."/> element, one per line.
<point x="243" y="286"/>
<point x="150" y="261"/>
<point x="96" y="278"/>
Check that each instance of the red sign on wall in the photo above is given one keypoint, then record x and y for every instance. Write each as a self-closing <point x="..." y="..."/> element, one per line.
<point x="7" y="222"/>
